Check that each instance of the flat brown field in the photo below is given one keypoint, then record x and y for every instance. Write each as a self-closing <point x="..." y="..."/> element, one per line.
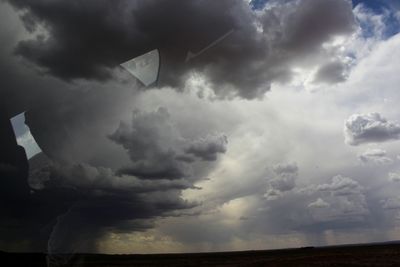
<point x="366" y="255"/>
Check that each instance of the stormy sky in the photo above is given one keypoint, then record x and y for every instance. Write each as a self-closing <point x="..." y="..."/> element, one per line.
<point x="271" y="124"/>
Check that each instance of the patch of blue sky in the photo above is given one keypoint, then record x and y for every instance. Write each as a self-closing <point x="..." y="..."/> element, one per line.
<point x="389" y="8"/>
<point x="258" y="4"/>
<point x="376" y="5"/>
<point x="392" y="26"/>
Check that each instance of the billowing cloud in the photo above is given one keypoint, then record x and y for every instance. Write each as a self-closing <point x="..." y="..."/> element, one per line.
<point x="93" y="37"/>
<point x="157" y="149"/>
<point x="377" y="156"/>
<point x="151" y="141"/>
<point x="208" y="148"/>
<point x="370" y="128"/>
<point x="345" y="194"/>
<point x="341" y="186"/>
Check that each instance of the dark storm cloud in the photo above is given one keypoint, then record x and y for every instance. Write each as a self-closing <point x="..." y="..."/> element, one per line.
<point x="16" y="95"/>
<point x="88" y="201"/>
<point x="90" y="184"/>
<point x="152" y="143"/>
<point x="157" y="149"/>
<point x="69" y="121"/>
<point x="86" y="172"/>
<point x="77" y="115"/>
<point x="370" y="128"/>
<point x="84" y="176"/>
<point x="71" y="125"/>
<point x="310" y="23"/>
<point x="208" y="148"/>
<point x="91" y="36"/>
<point x="85" y="39"/>
<point x="97" y="198"/>
<point x="166" y="169"/>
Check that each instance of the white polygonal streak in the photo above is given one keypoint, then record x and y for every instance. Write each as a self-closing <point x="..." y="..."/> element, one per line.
<point x="145" y="67"/>
<point x="24" y="136"/>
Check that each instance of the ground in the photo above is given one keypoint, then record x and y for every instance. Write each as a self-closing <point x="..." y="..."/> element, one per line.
<point x="345" y="256"/>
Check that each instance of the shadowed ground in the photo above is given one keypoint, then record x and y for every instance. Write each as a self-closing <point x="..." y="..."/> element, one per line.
<point x="345" y="256"/>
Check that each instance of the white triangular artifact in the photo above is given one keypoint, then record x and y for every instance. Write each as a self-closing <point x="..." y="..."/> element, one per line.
<point x="145" y="67"/>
